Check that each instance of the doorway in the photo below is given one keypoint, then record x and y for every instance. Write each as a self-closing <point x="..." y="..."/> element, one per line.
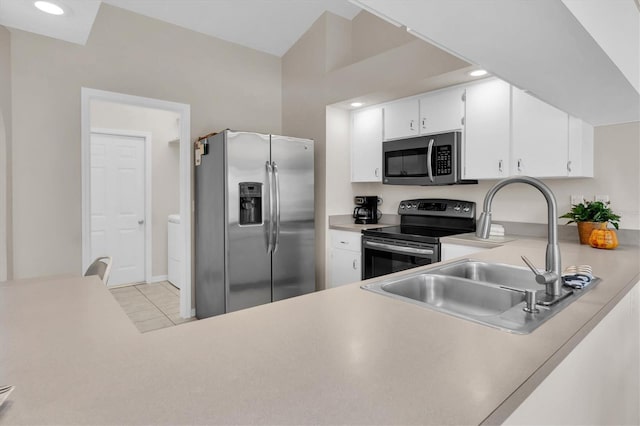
<point x="120" y="194"/>
<point x="142" y="221"/>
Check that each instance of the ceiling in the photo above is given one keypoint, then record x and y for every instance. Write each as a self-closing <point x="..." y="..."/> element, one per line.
<point x="581" y="56"/>
<point x="270" y="26"/>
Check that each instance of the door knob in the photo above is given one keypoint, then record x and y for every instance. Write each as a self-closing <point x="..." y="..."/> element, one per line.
<point x="140" y="222"/>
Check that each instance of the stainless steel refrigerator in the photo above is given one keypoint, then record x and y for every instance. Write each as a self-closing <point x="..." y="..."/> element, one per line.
<point x="254" y="221"/>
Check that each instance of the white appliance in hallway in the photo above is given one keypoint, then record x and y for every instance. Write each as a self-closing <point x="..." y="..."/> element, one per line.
<point x="175" y="241"/>
<point x="118" y="204"/>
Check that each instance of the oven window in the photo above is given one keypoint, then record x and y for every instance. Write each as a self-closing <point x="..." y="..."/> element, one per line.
<point x="406" y="163"/>
<point x="380" y="262"/>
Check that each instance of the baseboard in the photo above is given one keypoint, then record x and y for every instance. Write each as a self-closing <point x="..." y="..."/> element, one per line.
<point x="158" y="278"/>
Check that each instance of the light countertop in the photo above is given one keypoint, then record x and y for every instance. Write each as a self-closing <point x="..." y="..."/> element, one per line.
<point x="339" y="356"/>
<point x="470" y="239"/>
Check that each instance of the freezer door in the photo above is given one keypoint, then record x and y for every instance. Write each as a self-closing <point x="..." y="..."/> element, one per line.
<point x="248" y="262"/>
<point x="293" y="259"/>
<point x="210" y="287"/>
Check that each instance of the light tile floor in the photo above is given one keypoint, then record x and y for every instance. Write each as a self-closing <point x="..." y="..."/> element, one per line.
<point x="151" y="306"/>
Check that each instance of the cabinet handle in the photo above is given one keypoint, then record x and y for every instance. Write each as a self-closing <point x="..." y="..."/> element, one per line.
<point x="500" y="166"/>
<point x="462" y="121"/>
<point x="411" y="125"/>
<point x="424" y="123"/>
<point x="355" y="266"/>
<point x="519" y="164"/>
<point x="377" y="172"/>
<point x="569" y="166"/>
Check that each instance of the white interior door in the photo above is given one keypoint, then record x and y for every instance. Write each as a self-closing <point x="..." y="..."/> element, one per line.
<point x="118" y="204"/>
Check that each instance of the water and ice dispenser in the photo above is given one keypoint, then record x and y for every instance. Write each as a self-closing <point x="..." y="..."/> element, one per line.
<point x="250" y="203"/>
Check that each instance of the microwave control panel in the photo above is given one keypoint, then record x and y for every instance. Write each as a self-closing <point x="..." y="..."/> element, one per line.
<point x="444" y="160"/>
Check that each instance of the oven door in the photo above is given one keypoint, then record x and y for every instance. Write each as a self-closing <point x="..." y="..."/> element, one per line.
<point x="381" y="256"/>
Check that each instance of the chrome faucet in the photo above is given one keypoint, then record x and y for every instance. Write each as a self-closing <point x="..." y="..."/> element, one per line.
<point x="551" y="278"/>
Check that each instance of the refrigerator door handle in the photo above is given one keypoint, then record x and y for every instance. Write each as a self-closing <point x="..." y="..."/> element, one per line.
<point x="277" y="188"/>
<point x="270" y="227"/>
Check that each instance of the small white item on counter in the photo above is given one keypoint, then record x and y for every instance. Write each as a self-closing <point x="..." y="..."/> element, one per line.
<point x="496" y="230"/>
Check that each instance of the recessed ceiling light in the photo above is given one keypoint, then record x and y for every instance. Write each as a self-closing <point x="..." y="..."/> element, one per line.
<point x="49" y="7"/>
<point x="356" y="104"/>
<point x="478" y="73"/>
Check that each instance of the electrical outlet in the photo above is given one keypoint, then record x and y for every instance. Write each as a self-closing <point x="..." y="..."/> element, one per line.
<point x="577" y="199"/>
<point x="603" y="198"/>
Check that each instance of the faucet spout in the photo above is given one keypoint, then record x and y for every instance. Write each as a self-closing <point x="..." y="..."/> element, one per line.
<point x="552" y="264"/>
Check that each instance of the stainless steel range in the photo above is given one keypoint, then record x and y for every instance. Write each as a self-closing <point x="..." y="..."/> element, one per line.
<point x="416" y="241"/>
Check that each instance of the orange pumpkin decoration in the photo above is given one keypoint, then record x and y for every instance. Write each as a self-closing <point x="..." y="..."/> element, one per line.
<point x="603" y="238"/>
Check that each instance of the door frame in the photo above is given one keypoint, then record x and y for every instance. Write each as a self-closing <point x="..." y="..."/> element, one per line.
<point x="86" y="200"/>
<point x="184" y="110"/>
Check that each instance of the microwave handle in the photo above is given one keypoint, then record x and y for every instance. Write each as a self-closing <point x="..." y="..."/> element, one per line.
<point x="429" y="154"/>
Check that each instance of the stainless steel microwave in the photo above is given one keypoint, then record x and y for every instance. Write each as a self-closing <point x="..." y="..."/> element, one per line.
<point x="424" y="160"/>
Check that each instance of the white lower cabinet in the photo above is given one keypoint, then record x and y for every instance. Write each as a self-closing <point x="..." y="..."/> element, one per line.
<point x="598" y="382"/>
<point x="450" y="251"/>
<point x="345" y="257"/>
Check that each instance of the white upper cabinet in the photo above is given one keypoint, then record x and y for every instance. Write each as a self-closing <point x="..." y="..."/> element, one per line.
<point x="580" y="163"/>
<point x="401" y="119"/>
<point x="442" y="111"/>
<point x="540" y="137"/>
<point x="487" y="130"/>
<point x="366" y="145"/>
<point x="506" y="132"/>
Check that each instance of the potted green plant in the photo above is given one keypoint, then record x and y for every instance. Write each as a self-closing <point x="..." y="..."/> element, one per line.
<point x="589" y="216"/>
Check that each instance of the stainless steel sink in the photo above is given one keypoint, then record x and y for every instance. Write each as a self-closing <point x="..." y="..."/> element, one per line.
<point x="455" y="295"/>
<point x="496" y="273"/>
<point x="487" y="293"/>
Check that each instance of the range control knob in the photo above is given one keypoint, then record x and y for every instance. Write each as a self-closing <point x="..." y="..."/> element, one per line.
<point x="402" y="206"/>
<point x="457" y="207"/>
<point x="466" y="209"/>
<point x="415" y="205"/>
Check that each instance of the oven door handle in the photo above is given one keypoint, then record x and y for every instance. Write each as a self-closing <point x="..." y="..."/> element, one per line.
<point x="400" y="249"/>
<point x="429" y="156"/>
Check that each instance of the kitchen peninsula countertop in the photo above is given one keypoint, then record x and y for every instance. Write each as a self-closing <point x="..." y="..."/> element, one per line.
<point x="340" y="356"/>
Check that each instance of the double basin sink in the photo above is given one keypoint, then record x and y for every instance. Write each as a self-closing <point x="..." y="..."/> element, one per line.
<point x="487" y="293"/>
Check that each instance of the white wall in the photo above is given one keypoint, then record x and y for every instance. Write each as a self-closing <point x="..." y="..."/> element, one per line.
<point x="226" y="85"/>
<point x="5" y="152"/>
<point x="165" y="164"/>
<point x="616" y="153"/>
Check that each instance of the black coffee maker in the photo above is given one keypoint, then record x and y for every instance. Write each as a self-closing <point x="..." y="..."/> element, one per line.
<point x="366" y="210"/>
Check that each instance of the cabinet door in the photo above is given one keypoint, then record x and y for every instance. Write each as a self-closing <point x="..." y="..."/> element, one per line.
<point x="487" y="130"/>
<point x="442" y="111"/>
<point x="540" y="137"/>
<point x="401" y="119"/>
<point x="366" y="145"/>
<point x="580" y="162"/>
<point x="345" y="267"/>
